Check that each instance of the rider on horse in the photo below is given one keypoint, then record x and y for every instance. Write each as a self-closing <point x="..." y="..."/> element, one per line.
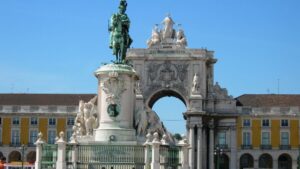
<point x="119" y="33"/>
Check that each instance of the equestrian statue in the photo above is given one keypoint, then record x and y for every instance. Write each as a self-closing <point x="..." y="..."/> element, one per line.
<point x="120" y="40"/>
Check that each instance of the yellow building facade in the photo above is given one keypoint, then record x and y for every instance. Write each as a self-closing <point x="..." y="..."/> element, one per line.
<point x="268" y="131"/>
<point x="23" y="116"/>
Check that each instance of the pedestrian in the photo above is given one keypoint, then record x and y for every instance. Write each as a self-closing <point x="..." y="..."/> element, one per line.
<point x="2" y="162"/>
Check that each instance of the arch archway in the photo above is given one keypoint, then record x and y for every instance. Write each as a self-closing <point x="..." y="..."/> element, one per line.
<point x="169" y="110"/>
<point x="284" y="161"/>
<point x="14" y="156"/>
<point x="31" y="156"/>
<point x="163" y="93"/>
<point x="265" y="161"/>
<point x="246" y="161"/>
<point x="223" y="162"/>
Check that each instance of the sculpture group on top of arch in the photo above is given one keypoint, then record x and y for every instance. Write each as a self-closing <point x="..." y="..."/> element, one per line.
<point x="167" y="37"/>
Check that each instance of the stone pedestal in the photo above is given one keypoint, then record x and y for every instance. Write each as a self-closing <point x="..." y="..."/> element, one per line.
<point x="116" y="103"/>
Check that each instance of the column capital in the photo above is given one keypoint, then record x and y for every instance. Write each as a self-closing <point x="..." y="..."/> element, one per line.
<point x="199" y="125"/>
<point x="191" y="126"/>
<point x="211" y="124"/>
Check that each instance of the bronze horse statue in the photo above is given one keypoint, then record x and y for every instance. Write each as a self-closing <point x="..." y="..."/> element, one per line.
<point x="120" y="40"/>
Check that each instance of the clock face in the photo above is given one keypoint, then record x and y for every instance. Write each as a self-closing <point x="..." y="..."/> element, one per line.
<point x="113" y="110"/>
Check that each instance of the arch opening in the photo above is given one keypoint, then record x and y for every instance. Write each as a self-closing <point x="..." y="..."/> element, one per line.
<point x="15" y="156"/>
<point x="163" y="93"/>
<point x="265" y="161"/>
<point x="169" y="109"/>
<point x="284" y="161"/>
<point x="221" y="161"/>
<point x="246" y="161"/>
<point x="31" y="156"/>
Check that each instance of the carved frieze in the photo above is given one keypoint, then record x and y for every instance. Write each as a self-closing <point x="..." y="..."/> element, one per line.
<point x="166" y="75"/>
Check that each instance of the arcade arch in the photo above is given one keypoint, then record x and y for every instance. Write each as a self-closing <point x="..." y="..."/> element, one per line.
<point x="31" y="156"/>
<point x="14" y="156"/>
<point x="246" y="161"/>
<point x="223" y="162"/>
<point x="284" y="161"/>
<point x="265" y="161"/>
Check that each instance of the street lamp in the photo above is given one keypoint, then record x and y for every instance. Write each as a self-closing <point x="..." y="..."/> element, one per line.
<point x="298" y="159"/>
<point x="218" y="152"/>
<point x="23" y="148"/>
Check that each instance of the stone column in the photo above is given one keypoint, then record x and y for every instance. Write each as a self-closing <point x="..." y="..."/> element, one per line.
<point x="61" y="152"/>
<point x="39" y="144"/>
<point x="192" y="147"/>
<point x="294" y="164"/>
<point x="199" y="146"/>
<point x="233" y="148"/>
<point x="155" y="164"/>
<point x="211" y="147"/>
<point x="204" y="149"/>
<point x="275" y="163"/>
<point x="184" y="154"/>
<point x="256" y="163"/>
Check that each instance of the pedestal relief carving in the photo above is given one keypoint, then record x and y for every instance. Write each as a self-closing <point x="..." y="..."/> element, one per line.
<point x="113" y="86"/>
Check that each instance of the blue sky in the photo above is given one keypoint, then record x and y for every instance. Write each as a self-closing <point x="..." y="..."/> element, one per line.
<point x="54" y="46"/>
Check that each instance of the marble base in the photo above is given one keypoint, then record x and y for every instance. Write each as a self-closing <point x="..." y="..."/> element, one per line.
<point x="115" y="135"/>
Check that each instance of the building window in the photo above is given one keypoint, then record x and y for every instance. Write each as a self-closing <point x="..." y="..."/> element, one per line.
<point x="15" y="137"/>
<point x="284" y="123"/>
<point x="34" y="108"/>
<point x="52" y="108"/>
<point x="285" y="138"/>
<point x="0" y="120"/>
<point x="265" y="138"/>
<point x="33" y="136"/>
<point x="246" y="123"/>
<point x="266" y="123"/>
<point x="70" y="121"/>
<point x="51" y="136"/>
<point x="15" y="121"/>
<point x="71" y="109"/>
<point x="16" y="109"/>
<point x="52" y="121"/>
<point x="33" y="121"/>
<point x="222" y="138"/>
<point x="246" y="138"/>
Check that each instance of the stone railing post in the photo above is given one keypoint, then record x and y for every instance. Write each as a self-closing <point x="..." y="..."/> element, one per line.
<point x="74" y="143"/>
<point x="184" y="153"/>
<point x="155" y="164"/>
<point x="61" y="152"/>
<point x="39" y="143"/>
<point x="147" y="150"/>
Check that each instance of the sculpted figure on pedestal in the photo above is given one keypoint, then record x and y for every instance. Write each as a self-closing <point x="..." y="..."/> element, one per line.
<point x="147" y="121"/>
<point x="181" y="39"/>
<point x="168" y="31"/>
<point x="196" y="86"/>
<point x="86" y="119"/>
<point x="155" y="37"/>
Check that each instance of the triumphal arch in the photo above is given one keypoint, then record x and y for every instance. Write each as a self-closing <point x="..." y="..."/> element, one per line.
<point x="168" y="68"/>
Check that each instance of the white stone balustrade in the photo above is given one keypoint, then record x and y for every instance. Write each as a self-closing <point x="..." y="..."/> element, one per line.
<point x="39" y="144"/>
<point x="61" y="152"/>
<point x="155" y="164"/>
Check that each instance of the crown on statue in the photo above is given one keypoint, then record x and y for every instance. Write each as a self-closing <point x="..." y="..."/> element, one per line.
<point x="123" y="4"/>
